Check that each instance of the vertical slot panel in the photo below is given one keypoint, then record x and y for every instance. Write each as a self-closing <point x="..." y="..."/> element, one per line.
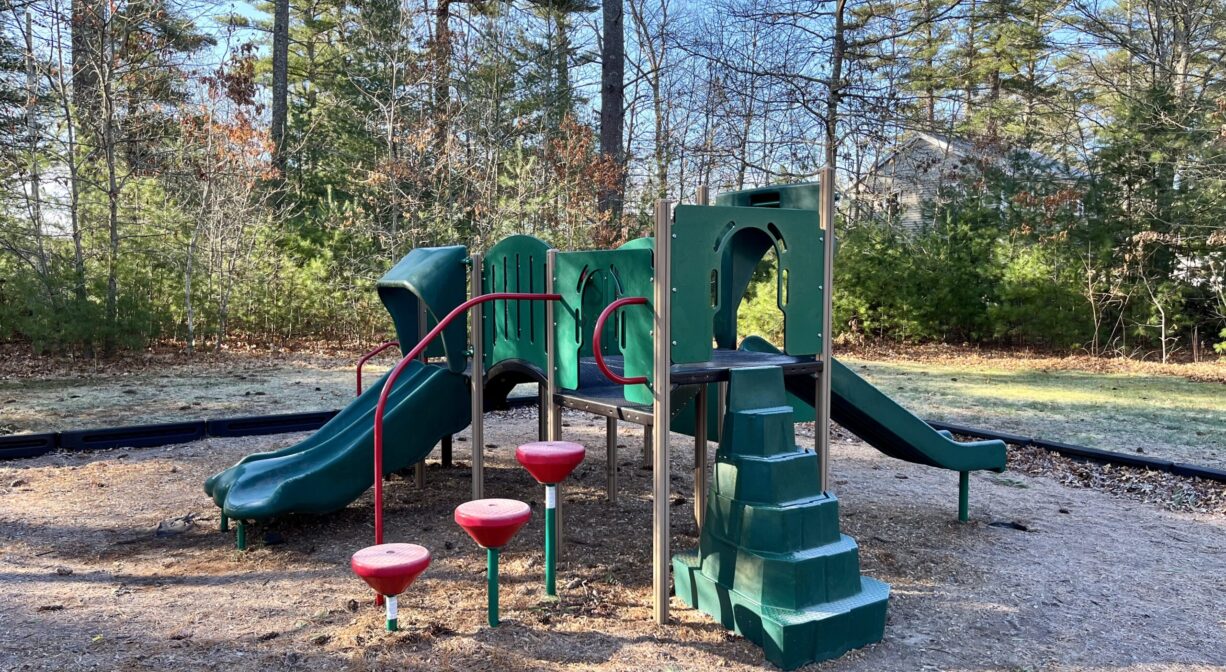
<point x="532" y="304"/>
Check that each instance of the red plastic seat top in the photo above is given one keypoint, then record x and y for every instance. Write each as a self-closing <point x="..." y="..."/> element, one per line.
<point x="390" y="568"/>
<point x="550" y="462"/>
<point x="492" y="522"/>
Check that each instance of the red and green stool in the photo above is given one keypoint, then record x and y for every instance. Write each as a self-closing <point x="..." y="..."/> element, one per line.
<point x="390" y="569"/>
<point x="550" y="462"/>
<point x="491" y="523"/>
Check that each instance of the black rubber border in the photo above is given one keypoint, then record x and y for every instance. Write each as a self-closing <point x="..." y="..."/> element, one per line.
<point x="132" y="436"/>
<point x="1091" y="454"/>
<point x="27" y="445"/>
<point x="22" y="446"/>
<point x="258" y="425"/>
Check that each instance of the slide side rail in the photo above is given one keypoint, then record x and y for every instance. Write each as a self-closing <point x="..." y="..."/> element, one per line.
<point x="365" y="358"/>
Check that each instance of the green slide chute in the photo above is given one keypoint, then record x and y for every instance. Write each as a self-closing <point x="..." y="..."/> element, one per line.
<point x="336" y="465"/>
<point x="882" y="423"/>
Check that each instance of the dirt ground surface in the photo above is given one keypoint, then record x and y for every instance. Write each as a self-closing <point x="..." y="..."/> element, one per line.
<point x="157" y="389"/>
<point x="1044" y="577"/>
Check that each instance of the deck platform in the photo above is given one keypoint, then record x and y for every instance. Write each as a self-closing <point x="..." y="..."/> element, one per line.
<point x="600" y="396"/>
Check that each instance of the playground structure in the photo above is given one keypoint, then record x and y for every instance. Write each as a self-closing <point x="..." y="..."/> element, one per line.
<point x="642" y="335"/>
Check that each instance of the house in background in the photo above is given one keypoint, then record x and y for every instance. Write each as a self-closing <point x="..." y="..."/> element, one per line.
<point x="898" y="185"/>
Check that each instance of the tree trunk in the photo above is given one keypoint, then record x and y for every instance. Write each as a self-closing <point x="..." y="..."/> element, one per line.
<point x="110" y="151"/>
<point x="561" y="66"/>
<point x="87" y="31"/>
<point x="612" y="106"/>
<point x="60" y="82"/>
<point x="34" y="199"/>
<point x="970" y="60"/>
<point x="442" y="74"/>
<point x="280" y="82"/>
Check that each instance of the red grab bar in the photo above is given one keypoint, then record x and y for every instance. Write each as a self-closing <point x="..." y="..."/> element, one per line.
<point x="604" y="316"/>
<point x="413" y="354"/>
<point x="365" y="358"/>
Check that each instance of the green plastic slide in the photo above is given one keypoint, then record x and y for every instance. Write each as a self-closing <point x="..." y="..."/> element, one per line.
<point x="335" y="465"/>
<point x="881" y="422"/>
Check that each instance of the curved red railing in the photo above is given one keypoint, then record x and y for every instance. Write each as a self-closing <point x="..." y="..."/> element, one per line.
<point x="412" y="355"/>
<point x="596" y="349"/>
<point x="365" y="358"/>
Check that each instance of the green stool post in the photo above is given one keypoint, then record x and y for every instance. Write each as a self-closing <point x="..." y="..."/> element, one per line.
<point x="550" y="462"/>
<point x="390" y="569"/>
<point x="491" y="523"/>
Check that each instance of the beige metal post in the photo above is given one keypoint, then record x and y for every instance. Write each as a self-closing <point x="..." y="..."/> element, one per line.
<point x="821" y="428"/>
<point x="419" y="469"/>
<point x="700" y="456"/>
<point x="661" y="411"/>
<point x="700" y="424"/>
<point x="478" y="384"/>
<point x="554" y="424"/>
<point x="610" y="453"/>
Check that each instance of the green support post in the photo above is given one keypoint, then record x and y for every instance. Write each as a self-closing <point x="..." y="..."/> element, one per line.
<point x="240" y="538"/>
<point x="393" y="624"/>
<point x="491" y="579"/>
<point x="964" y="496"/>
<point x="551" y="539"/>
<point x="225" y="523"/>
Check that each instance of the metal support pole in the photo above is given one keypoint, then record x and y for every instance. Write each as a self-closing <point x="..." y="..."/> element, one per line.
<point x="478" y="383"/>
<point x="964" y="496"/>
<point x="700" y="456"/>
<point x="553" y="428"/>
<point x="240" y="537"/>
<point x="648" y="440"/>
<point x="551" y="539"/>
<point x="542" y="415"/>
<point x="491" y="583"/>
<point x="225" y="523"/>
<point x="661" y="407"/>
<point x="721" y="388"/>
<point x="610" y="446"/>
<point x="821" y="428"/>
<point x="393" y="624"/>
<point x="419" y="469"/>
<point x="446" y="451"/>
<point x="553" y="422"/>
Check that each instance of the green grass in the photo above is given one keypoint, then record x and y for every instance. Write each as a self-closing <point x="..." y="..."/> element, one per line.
<point x="1165" y="416"/>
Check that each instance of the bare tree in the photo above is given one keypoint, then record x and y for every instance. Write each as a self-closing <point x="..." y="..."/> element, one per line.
<point x="612" y="103"/>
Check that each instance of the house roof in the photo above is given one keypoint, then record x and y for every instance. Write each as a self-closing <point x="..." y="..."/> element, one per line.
<point x="962" y="148"/>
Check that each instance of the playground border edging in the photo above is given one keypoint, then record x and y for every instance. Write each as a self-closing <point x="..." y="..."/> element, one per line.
<point x="23" y="446"/>
<point x="1091" y="454"/>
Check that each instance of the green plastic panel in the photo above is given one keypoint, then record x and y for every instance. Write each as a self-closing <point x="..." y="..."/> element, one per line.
<point x="515" y="329"/>
<point x="804" y="196"/>
<point x="771" y="562"/>
<point x="435" y="276"/>
<point x="717" y="249"/>
<point x="588" y="281"/>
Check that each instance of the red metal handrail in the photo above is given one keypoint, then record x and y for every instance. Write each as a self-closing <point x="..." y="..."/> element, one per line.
<point x="365" y="358"/>
<point x="413" y="354"/>
<point x="596" y="350"/>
